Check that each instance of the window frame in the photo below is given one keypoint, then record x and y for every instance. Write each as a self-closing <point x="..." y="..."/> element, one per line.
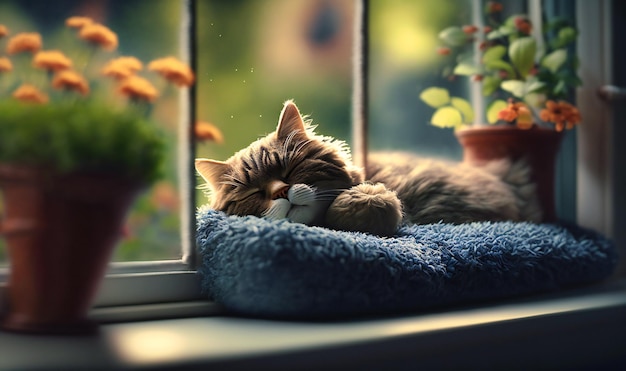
<point x="175" y="281"/>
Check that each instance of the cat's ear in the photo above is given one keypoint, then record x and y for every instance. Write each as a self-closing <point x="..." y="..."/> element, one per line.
<point x="211" y="170"/>
<point x="290" y="120"/>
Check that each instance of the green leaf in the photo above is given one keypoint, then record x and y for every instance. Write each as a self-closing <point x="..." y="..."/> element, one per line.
<point x="522" y="52"/>
<point x="560" y="88"/>
<point x="490" y="85"/>
<point x="465" y="108"/>
<point x="554" y="60"/>
<point x="494" y="53"/>
<point x="493" y="109"/>
<point x="497" y="65"/>
<point x="515" y="87"/>
<point x="466" y="69"/>
<point x="567" y="35"/>
<point x="535" y="100"/>
<point x="453" y="36"/>
<point x="503" y="31"/>
<point x="533" y="86"/>
<point x="556" y="23"/>
<point x="435" y="97"/>
<point x="447" y="117"/>
<point x="573" y="80"/>
<point x="510" y="21"/>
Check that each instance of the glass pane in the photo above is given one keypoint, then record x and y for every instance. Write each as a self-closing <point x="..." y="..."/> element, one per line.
<point x="146" y="30"/>
<point x="254" y="55"/>
<point x="404" y="62"/>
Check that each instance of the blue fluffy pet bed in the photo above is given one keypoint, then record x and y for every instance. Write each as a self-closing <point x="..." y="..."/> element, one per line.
<point x="280" y="269"/>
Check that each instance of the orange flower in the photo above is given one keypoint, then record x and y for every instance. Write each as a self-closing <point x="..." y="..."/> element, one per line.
<point x="100" y="35"/>
<point x="3" y="31"/>
<point x="518" y="112"/>
<point x="78" y="22"/>
<point x="470" y="29"/>
<point x="53" y="60"/>
<point x="136" y="87"/>
<point x="524" y="118"/>
<point x="122" y="67"/>
<point x="24" y="42"/>
<point x="205" y="131"/>
<point x="5" y="64"/>
<point x="523" y="25"/>
<point x="442" y="50"/>
<point x="562" y="114"/>
<point x="165" y="197"/>
<point x="70" y="80"/>
<point x="29" y="93"/>
<point x="173" y="70"/>
<point x="494" y="7"/>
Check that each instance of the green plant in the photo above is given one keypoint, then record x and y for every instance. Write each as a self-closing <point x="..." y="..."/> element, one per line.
<point x="52" y="117"/>
<point x="91" y="136"/>
<point x="527" y="76"/>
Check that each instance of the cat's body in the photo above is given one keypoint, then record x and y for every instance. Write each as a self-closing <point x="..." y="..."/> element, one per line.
<point x="307" y="178"/>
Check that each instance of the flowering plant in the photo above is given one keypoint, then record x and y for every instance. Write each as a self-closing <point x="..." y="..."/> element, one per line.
<point x="528" y="74"/>
<point x="51" y="116"/>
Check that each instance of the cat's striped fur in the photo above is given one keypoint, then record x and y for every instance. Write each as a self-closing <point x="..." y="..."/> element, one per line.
<point x="296" y="174"/>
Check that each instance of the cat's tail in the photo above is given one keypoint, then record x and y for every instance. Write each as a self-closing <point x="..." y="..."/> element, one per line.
<point x="517" y="174"/>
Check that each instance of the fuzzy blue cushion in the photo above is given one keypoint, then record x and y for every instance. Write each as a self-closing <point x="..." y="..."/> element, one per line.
<point x="267" y="268"/>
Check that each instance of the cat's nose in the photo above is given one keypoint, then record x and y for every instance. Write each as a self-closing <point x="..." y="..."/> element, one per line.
<point x="278" y="189"/>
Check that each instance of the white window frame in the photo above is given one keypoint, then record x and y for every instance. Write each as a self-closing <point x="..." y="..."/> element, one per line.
<point x="175" y="281"/>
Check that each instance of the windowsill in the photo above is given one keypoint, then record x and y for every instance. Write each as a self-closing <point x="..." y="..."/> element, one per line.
<point x="584" y="327"/>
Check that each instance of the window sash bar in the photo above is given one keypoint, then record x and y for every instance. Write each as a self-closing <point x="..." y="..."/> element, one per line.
<point x="186" y="137"/>
<point x="360" y="85"/>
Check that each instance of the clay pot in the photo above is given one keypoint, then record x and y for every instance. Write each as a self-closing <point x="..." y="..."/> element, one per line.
<point x="537" y="145"/>
<point x="60" y="232"/>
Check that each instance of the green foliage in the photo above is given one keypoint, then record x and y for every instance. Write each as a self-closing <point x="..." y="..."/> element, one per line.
<point x="452" y="112"/>
<point x="522" y="53"/>
<point x="453" y="36"/>
<point x="515" y="64"/>
<point x="447" y="117"/>
<point x="71" y="136"/>
<point x="554" y="60"/>
<point x="435" y="97"/>
<point x="493" y="109"/>
<point x="465" y="108"/>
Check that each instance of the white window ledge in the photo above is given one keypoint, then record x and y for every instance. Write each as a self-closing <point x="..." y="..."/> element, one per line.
<point x="580" y="329"/>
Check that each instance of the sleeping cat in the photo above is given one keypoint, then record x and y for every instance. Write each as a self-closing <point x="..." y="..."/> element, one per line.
<point x="296" y="174"/>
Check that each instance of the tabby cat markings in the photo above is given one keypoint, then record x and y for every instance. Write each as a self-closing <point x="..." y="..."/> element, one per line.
<point x="307" y="178"/>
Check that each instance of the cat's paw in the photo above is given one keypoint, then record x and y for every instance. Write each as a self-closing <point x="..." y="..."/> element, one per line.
<point x="368" y="208"/>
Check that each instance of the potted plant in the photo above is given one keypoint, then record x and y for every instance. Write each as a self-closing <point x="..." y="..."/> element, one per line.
<point x="527" y="77"/>
<point x="72" y="160"/>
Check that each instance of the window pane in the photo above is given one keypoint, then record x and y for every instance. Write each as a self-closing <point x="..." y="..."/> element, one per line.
<point x="254" y="55"/>
<point x="403" y="62"/>
<point x="146" y="30"/>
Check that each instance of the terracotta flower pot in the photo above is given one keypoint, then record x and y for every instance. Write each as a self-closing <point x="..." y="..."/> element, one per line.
<point x="60" y="233"/>
<point x="537" y="145"/>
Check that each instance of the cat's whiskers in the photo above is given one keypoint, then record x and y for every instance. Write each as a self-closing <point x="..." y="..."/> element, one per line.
<point x="327" y="194"/>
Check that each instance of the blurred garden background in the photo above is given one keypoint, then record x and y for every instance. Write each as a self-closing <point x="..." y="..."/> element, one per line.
<point x="252" y="56"/>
